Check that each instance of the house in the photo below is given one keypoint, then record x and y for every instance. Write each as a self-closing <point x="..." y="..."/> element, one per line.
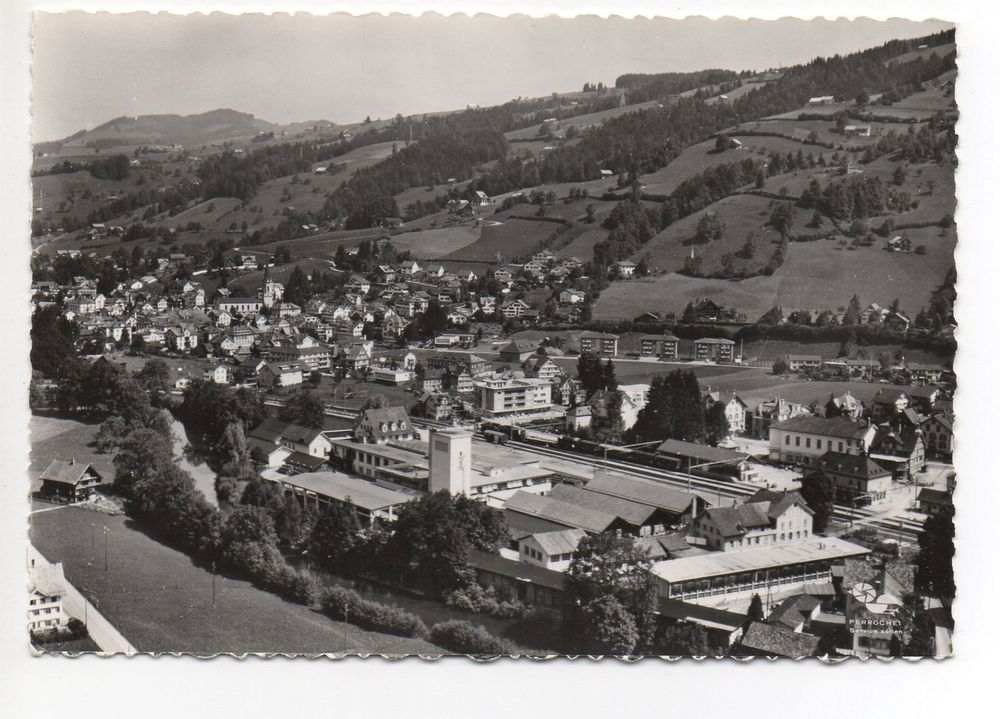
<point x="625" y="268"/>
<point x="925" y="373"/>
<point x="857" y="130"/>
<point x="280" y="375"/>
<point x="69" y="480"/>
<point x="481" y="200"/>
<point x="295" y="438"/>
<point x="766" y="518"/>
<point x="714" y="349"/>
<point x="736" y="414"/>
<point x="432" y="380"/>
<point x="939" y="436"/>
<point x="541" y="366"/>
<point x="550" y="549"/>
<point x="379" y="426"/>
<point x="899" y="448"/>
<point x="857" y="480"/>
<point x="804" y="439"/>
<point x="804" y="363"/>
<point x="46" y="592"/>
<point x="847" y="405"/>
<point x="572" y="297"/>
<point x="439" y="406"/>
<point x="514" y="309"/>
<point x="934" y="501"/>
<point x="220" y="373"/>
<point x="821" y="100"/>
<point x="517" y="351"/>
<point x="663" y="346"/>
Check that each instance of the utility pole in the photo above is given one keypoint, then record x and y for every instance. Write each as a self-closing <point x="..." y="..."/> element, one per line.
<point x="93" y="541"/>
<point x="213" y="585"/>
<point x="105" y="549"/>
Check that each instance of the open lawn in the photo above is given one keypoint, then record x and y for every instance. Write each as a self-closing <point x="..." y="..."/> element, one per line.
<point x="741" y="215"/>
<point x="208" y="213"/>
<point x="579" y="242"/>
<point x="281" y="273"/>
<point x="511" y="239"/>
<point x="826" y="131"/>
<point x="57" y="438"/>
<point x="924" y="52"/>
<point x="161" y="601"/>
<point x="806" y="280"/>
<point x="433" y="244"/>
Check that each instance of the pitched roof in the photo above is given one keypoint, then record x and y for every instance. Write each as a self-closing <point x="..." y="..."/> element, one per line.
<point x="632" y="512"/>
<point x="562" y="541"/>
<point x="850" y="465"/>
<point x="700" y="452"/>
<point x="841" y="427"/>
<point x="653" y="493"/>
<point x="776" y="640"/>
<point x="343" y="487"/>
<point x="66" y="471"/>
<point x="560" y="512"/>
<point x="268" y="430"/>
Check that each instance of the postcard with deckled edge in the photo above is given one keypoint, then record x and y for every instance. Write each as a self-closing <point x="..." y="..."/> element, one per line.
<point x="419" y="336"/>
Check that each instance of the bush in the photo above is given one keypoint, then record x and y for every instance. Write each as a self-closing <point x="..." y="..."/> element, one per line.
<point x="371" y="615"/>
<point x="464" y="638"/>
<point x="474" y="598"/>
<point x="287" y="582"/>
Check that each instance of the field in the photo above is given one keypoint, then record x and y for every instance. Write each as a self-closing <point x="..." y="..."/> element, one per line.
<point x="161" y="600"/>
<point x="511" y="239"/>
<point x="580" y="241"/>
<point x="804" y="281"/>
<point x="433" y="244"/>
<point x="581" y="122"/>
<point x="826" y="131"/>
<point x="741" y="214"/>
<point x="770" y="350"/>
<point x="55" y="438"/>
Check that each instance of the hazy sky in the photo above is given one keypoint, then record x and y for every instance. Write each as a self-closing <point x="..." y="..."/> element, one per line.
<point x="90" y="68"/>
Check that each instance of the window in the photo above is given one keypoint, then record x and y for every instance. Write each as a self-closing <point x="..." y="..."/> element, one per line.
<point x="808" y="442"/>
<point x="797" y="441"/>
<point x="788" y="439"/>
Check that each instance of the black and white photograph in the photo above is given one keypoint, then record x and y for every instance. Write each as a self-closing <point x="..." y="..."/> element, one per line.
<point x="392" y="336"/>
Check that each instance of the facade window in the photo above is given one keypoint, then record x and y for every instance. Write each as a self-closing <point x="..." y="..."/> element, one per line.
<point x="788" y="439"/>
<point x="808" y="442"/>
<point x="797" y="441"/>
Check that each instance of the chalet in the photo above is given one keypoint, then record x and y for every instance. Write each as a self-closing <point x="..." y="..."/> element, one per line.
<point x="514" y="309"/>
<point x="820" y="100"/>
<point x="939" y="436"/>
<point x="69" y="480"/>
<point x="572" y="297"/>
<point x="578" y="417"/>
<point x="379" y="426"/>
<point x="926" y="373"/>
<point x="481" y="200"/>
<point x="541" y="366"/>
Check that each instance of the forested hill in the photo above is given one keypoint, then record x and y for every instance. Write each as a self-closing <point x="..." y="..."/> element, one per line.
<point x="647" y="140"/>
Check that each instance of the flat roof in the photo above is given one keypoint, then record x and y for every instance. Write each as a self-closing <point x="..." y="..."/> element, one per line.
<point x="340" y="486"/>
<point x="717" y="564"/>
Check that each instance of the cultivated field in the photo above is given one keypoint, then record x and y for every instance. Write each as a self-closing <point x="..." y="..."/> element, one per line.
<point x="511" y="239"/>
<point x="580" y="241"/>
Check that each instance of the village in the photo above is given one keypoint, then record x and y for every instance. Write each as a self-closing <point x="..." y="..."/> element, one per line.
<point x="767" y="533"/>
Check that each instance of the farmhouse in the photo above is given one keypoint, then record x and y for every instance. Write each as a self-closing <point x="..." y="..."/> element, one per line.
<point x="802" y="363"/>
<point x="69" y="480"/>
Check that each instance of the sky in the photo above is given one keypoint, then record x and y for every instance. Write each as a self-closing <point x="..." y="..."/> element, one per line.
<point x="90" y="68"/>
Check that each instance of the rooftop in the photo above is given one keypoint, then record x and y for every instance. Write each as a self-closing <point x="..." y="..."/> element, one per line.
<point x="343" y="487"/>
<point x="717" y="564"/>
